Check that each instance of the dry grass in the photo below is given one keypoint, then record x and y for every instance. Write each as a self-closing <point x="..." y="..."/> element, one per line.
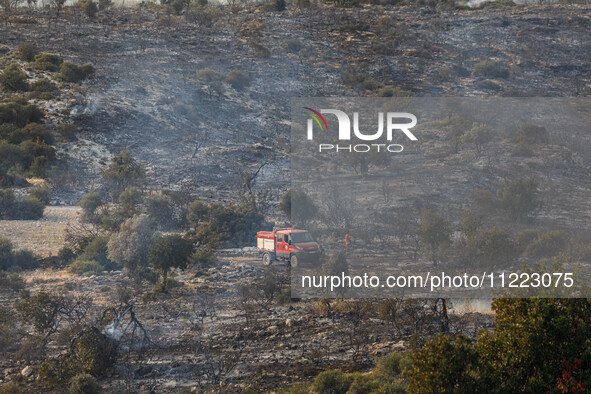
<point x="45" y="236"/>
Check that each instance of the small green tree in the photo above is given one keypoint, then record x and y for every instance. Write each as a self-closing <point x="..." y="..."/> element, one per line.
<point x="161" y="211"/>
<point x="519" y="196"/>
<point x="90" y="8"/>
<point x="298" y="206"/>
<point x="13" y="79"/>
<point x="130" y="245"/>
<point x="123" y="172"/>
<point x="493" y="247"/>
<point x="129" y="200"/>
<point x="536" y="344"/>
<point x="169" y="251"/>
<point x="479" y="135"/>
<point x="42" y="311"/>
<point x="27" y="52"/>
<point x="89" y="203"/>
<point x="197" y="213"/>
<point x="434" y="234"/>
<point x="444" y="365"/>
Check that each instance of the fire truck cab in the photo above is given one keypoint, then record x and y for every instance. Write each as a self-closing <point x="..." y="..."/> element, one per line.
<point x="287" y="244"/>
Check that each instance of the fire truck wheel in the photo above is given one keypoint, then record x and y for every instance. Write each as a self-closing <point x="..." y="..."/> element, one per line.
<point x="267" y="259"/>
<point x="293" y="261"/>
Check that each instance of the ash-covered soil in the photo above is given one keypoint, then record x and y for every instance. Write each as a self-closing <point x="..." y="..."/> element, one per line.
<point x="149" y="96"/>
<point x="206" y="321"/>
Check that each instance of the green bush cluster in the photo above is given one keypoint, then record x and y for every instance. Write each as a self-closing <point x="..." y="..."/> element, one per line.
<point x="387" y="377"/>
<point x="13" y="79"/>
<point x="47" y="62"/>
<point x="519" y="197"/>
<point x="15" y="259"/>
<point x="490" y="248"/>
<point x="27" y="52"/>
<point x="538" y="345"/>
<point x="84" y="383"/>
<point x="19" y="112"/>
<point x="91" y="353"/>
<point x="11" y="208"/>
<point x="225" y="225"/>
<point x="491" y="69"/>
<point x="547" y="244"/>
<point x="123" y="172"/>
<point x="43" y="89"/>
<point x="528" y="136"/>
<point x="25" y="146"/>
<point x="10" y="281"/>
<point x="361" y="81"/>
<point x="70" y="72"/>
<point x="93" y="259"/>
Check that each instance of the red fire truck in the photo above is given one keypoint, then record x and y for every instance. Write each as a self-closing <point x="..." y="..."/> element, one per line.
<point x="287" y="244"/>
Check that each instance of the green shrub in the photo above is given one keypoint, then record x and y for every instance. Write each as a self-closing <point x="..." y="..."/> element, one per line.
<point x="19" y="112"/>
<point x="89" y="203"/>
<point x="85" y="267"/>
<point x="25" y="259"/>
<point x="491" y="248"/>
<point x="332" y="381"/>
<point x="123" y="172"/>
<point x="442" y="365"/>
<point x="97" y="250"/>
<point x="73" y="73"/>
<point x="13" y="79"/>
<point x="547" y="245"/>
<point x="68" y="131"/>
<point x="228" y="225"/>
<point x="393" y="92"/>
<point x="209" y="75"/>
<point x="491" y="69"/>
<point x="104" y="5"/>
<point x="129" y="200"/>
<point x="90" y="8"/>
<point x="84" y="383"/>
<point x="161" y="211"/>
<point x="361" y="81"/>
<point x="57" y="372"/>
<point x="94" y="351"/>
<point x="203" y="258"/>
<point x="41" y="194"/>
<point x="11" y="281"/>
<point x="27" y="209"/>
<point x="47" y="62"/>
<point x="32" y="132"/>
<point x="27" y="52"/>
<point x="238" y="80"/>
<point x="43" y="89"/>
<point x="519" y="196"/>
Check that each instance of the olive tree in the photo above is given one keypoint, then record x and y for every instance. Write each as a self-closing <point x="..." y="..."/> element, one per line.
<point x="131" y="244"/>
<point x="169" y="251"/>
